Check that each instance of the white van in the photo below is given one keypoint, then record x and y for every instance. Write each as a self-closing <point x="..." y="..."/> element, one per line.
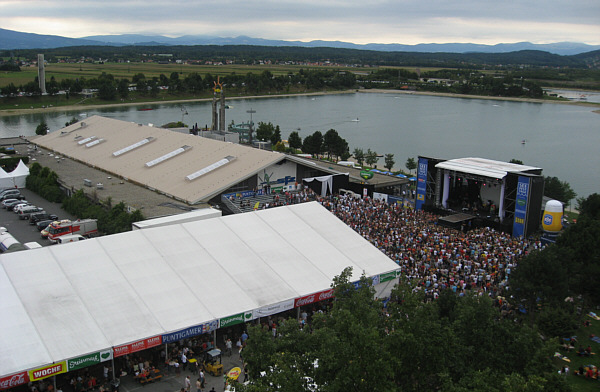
<point x="69" y="238"/>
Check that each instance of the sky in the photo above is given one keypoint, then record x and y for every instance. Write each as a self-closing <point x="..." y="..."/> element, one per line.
<point x="357" y="21"/>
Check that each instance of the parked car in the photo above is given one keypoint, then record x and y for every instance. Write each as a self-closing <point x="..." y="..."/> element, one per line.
<point x="15" y="205"/>
<point x="25" y="212"/>
<point x="7" y="202"/>
<point x="14" y="194"/>
<point x="41" y="225"/>
<point x="69" y="238"/>
<point x="35" y="218"/>
<point x="16" y="209"/>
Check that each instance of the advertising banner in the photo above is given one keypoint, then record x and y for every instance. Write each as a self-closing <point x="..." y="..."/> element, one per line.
<point x="84" y="361"/>
<point x="421" y="183"/>
<point x="189" y="332"/>
<point x="14" y="380"/>
<point x="309" y="299"/>
<point x="380" y="196"/>
<point x="47" y="371"/>
<point x="137" y="346"/>
<point x="273" y="309"/>
<point x="521" y="206"/>
<point x="235" y="319"/>
<point x="387" y="276"/>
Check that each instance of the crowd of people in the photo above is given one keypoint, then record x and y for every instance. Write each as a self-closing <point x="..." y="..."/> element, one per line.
<point x="433" y="256"/>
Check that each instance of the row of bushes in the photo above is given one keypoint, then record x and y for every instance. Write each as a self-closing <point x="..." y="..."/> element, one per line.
<point x="111" y="219"/>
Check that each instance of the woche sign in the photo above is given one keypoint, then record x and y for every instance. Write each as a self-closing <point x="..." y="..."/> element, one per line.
<point x="14" y="380"/>
<point x="137" y="346"/>
<point x="309" y="299"/>
<point x="47" y="371"/>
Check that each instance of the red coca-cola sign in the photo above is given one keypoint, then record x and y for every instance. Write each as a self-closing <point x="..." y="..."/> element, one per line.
<point x="14" y="380"/>
<point x="137" y="346"/>
<point x="309" y="299"/>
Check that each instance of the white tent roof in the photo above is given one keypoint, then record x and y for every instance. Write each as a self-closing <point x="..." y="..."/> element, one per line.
<point x="3" y="174"/>
<point x="63" y="301"/>
<point x="484" y="167"/>
<point x="20" y="170"/>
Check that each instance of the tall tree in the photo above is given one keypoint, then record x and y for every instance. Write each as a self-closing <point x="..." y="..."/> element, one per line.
<point x="371" y="157"/>
<point x="359" y="155"/>
<point x="389" y="161"/>
<point x="264" y="131"/>
<point x="294" y="140"/>
<point x="411" y="164"/>
<point x="276" y="136"/>
<point x="559" y="190"/>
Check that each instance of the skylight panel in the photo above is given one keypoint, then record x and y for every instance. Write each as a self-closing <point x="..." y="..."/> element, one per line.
<point x="210" y="168"/>
<point x="170" y="155"/>
<point x="86" y="140"/>
<point x="94" y="143"/>
<point x="133" y="146"/>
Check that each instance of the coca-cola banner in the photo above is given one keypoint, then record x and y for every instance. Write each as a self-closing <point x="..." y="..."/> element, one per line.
<point x="14" y="380"/>
<point x="309" y="299"/>
<point x="48" y="371"/>
<point x="137" y="346"/>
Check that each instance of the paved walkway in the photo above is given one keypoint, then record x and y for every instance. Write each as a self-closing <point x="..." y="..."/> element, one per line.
<point x="173" y="383"/>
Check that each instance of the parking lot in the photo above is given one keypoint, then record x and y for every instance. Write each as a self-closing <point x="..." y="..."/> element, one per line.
<point x="21" y="229"/>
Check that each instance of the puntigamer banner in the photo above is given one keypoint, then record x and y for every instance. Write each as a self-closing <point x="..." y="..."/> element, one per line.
<point x="189" y="332"/>
<point x="137" y="346"/>
<point x="235" y="319"/>
<point x="47" y="371"/>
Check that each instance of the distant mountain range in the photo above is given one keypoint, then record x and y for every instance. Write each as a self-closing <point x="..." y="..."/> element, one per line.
<point x="10" y="39"/>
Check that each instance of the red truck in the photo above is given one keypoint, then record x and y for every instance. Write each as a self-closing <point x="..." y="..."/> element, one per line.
<point x="84" y="227"/>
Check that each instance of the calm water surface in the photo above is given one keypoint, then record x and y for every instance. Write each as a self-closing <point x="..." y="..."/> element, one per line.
<point x="564" y="140"/>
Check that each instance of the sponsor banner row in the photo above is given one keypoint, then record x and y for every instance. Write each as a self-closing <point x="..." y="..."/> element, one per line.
<point x="309" y="299"/>
<point x="140" y="345"/>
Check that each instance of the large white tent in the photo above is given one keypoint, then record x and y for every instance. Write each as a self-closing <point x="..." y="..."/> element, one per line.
<point x="64" y="301"/>
<point x="15" y="178"/>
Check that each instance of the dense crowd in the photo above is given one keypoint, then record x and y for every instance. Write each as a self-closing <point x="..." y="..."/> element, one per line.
<point x="433" y="256"/>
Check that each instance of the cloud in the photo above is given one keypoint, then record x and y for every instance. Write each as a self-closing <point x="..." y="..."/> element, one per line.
<point x="378" y="21"/>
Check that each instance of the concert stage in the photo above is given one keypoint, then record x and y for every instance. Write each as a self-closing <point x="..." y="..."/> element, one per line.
<point x="456" y="221"/>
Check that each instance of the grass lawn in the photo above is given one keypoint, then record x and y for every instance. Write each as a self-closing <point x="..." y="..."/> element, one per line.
<point x="580" y="383"/>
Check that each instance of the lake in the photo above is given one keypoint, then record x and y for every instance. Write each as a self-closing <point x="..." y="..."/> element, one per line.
<point x="564" y="140"/>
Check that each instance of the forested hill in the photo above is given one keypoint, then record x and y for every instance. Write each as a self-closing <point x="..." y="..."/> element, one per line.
<point x="246" y="54"/>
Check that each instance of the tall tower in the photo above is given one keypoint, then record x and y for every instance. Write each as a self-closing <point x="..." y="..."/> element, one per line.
<point x="222" y="111"/>
<point x="41" y="73"/>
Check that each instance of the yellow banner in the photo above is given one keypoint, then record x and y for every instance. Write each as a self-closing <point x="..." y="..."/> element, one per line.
<point x="47" y="371"/>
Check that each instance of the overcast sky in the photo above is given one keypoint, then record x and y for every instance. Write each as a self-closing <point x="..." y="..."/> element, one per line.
<point x="357" y="21"/>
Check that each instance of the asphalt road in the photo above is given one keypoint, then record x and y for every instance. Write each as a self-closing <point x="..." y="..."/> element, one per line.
<point x="21" y="229"/>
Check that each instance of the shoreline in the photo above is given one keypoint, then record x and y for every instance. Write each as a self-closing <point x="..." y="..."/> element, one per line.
<point x="69" y="108"/>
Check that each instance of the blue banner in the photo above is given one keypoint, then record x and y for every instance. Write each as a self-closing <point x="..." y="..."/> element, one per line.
<point x="421" y="183"/>
<point x="521" y="206"/>
<point x="189" y="332"/>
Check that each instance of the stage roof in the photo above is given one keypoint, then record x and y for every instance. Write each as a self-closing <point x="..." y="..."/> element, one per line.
<point x="486" y="167"/>
<point x="159" y="158"/>
<point x="63" y="301"/>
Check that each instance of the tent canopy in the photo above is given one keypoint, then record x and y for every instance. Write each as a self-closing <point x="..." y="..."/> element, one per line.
<point x="15" y="178"/>
<point x="60" y="302"/>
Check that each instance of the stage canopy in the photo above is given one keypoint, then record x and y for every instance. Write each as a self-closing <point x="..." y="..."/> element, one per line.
<point x="327" y="185"/>
<point x="15" y="178"/>
<point x="486" y="167"/>
<point x="64" y="301"/>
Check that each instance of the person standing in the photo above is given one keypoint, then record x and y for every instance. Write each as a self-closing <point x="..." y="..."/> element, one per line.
<point x="228" y="346"/>
<point x="187" y="384"/>
<point x="184" y="361"/>
<point x="198" y="385"/>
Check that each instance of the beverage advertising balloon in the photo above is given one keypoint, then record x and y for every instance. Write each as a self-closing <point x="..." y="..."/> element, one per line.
<point x="552" y="218"/>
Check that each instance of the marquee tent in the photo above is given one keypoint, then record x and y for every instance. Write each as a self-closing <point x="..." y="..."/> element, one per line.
<point x="15" y="178"/>
<point x="61" y="302"/>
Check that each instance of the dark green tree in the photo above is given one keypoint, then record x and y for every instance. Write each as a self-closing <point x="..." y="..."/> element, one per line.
<point x="589" y="207"/>
<point x="359" y="155"/>
<point x="42" y="128"/>
<point x="389" y="161"/>
<point x="265" y="131"/>
<point x="371" y="157"/>
<point x="276" y="136"/>
<point x="294" y="140"/>
<point x="410" y="164"/>
<point x="558" y="190"/>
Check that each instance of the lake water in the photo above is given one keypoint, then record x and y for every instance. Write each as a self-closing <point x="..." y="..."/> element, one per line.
<point x="564" y="140"/>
